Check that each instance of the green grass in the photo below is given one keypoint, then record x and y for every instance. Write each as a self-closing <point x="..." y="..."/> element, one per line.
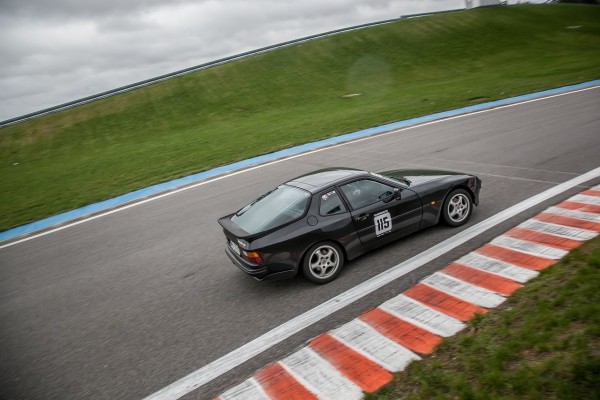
<point x="543" y="343"/>
<point x="287" y="97"/>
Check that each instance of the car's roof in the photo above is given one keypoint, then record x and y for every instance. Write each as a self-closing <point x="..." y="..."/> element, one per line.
<point x="323" y="178"/>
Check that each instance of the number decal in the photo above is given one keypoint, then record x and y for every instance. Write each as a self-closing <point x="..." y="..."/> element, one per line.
<point x="383" y="223"/>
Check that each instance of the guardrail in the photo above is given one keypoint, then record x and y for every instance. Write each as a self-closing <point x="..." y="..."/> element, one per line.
<point x="151" y="81"/>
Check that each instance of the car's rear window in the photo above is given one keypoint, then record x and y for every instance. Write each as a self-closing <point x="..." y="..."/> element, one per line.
<point x="275" y="208"/>
<point x="331" y="204"/>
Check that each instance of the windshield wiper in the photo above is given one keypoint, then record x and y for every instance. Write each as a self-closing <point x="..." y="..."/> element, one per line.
<point x="403" y="179"/>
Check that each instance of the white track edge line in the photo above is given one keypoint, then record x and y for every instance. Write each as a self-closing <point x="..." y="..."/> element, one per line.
<point x="269" y="339"/>
<point x="266" y="164"/>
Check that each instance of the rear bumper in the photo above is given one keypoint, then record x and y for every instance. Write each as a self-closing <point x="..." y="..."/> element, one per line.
<point x="258" y="272"/>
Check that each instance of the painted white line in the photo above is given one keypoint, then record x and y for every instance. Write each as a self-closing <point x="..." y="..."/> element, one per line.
<point x="463" y="290"/>
<point x="558" y="230"/>
<point x="319" y="376"/>
<point x="236" y="357"/>
<point x="583" y="198"/>
<point x="586" y="216"/>
<point x="503" y="166"/>
<point x="266" y="164"/>
<point x="248" y="390"/>
<point x="422" y="316"/>
<point x="516" y="178"/>
<point x="497" y="267"/>
<point x="365" y="340"/>
<point x="534" y="249"/>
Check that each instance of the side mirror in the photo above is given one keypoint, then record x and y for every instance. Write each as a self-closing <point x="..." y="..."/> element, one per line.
<point x="397" y="193"/>
<point x="386" y="197"/>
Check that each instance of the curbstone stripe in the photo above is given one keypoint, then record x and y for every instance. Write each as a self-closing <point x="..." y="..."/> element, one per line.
<point x="320" y="376"/>
<point x="559" y="230"/>
<point x="542" y="238"/>
<point x="500" y="268"/>
<point x="572" y="205"/>
<point x="470" y="293"/>
<point x="247" y="390"/>
<point x="497" y="284"/>
<point x="278" y="384"/>
<point x="588" y="197"/>
<point x="515" y="257"/>
<point x="568" y="221"/>
<point x="360" y="337"/>
<point x="412" y="337"/>
<point x="424" y="317"/>
<point x="368" y="375"/>
<point x="594" y="192"/>
<point x="534" y="249"/>
<point x="443" y="302"/>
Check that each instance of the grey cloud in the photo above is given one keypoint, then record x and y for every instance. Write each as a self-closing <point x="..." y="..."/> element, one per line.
<point x="68" y="9"/>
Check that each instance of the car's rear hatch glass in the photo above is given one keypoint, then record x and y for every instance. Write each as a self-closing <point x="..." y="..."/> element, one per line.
<point x="273" y="209"/>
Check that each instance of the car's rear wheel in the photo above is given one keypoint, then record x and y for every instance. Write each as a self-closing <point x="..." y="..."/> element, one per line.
<point x="457" y="207"/>
<point x="323" y="262"/>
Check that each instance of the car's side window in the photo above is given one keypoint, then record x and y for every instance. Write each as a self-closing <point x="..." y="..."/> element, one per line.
<point x="366" y="192"/>
<point x="331" y="204"/>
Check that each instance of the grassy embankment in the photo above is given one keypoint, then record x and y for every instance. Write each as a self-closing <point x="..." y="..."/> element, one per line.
<point x="543" y="343"/>
<point x="288" y="97"/>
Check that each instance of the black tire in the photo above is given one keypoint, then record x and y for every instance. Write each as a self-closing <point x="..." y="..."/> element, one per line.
<point x="458" y="207"/>
<point x="323" y="262"/>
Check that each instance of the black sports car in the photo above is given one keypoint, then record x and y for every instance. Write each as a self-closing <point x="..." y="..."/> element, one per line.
<point x="319" y="220"/>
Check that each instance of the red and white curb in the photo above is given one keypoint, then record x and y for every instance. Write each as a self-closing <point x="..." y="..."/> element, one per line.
<point x="361" y="355"/>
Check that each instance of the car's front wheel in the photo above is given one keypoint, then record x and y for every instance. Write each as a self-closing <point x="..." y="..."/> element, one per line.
<point x="323" y="262"/>
<point x="457" y="207"/>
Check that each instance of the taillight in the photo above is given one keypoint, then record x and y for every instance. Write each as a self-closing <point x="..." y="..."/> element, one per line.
<point x="252" y="256"/>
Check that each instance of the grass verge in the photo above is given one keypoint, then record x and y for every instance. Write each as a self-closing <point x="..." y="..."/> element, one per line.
<point x="287" y="97"/>
<point x="543" y="343"/>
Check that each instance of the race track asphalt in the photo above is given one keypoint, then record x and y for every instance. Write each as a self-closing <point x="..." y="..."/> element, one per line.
<point x="123" y="305"/>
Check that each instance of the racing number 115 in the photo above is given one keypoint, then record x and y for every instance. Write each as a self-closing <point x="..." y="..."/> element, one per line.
<point x="383" y="223"/>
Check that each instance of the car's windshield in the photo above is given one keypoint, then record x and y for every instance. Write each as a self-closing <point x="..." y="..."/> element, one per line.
<point x="273" y="209"/>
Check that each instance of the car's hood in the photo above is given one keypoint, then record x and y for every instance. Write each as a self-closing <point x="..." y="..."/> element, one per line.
<point x="418" y="176"/>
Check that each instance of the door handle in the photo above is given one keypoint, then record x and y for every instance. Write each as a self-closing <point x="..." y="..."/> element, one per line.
<point x="362" y="217"/>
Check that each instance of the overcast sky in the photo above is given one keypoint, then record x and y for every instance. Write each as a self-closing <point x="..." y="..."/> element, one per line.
<point x="54" y="51"/>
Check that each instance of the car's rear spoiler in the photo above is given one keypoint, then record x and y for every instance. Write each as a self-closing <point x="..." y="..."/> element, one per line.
<point x="232" y="228"/>
<point x="236" y="231"/>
